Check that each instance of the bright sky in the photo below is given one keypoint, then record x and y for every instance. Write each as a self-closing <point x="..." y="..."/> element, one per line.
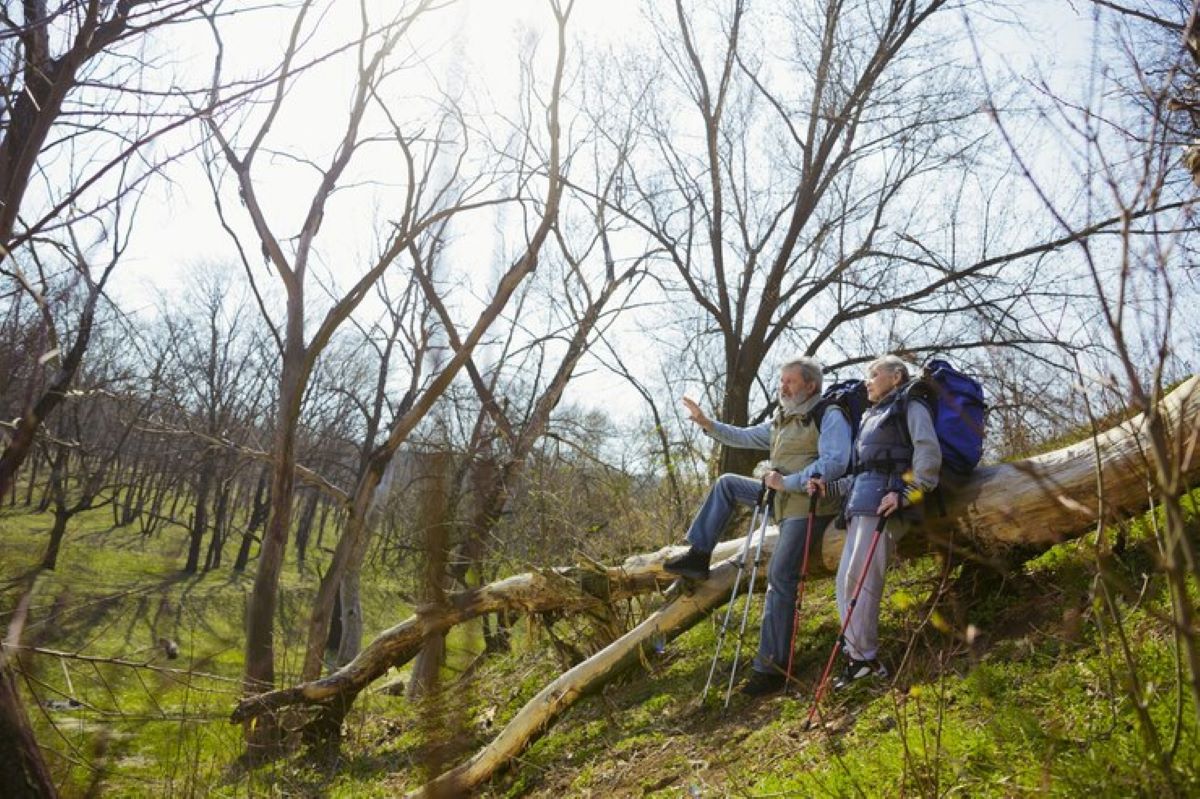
<point x="478" y="39"/>
<point x="475" y="38"/>
<point x="472" y="40"/>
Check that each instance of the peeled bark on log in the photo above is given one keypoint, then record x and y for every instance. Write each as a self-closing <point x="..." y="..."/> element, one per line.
<point x="668" y="621"/>
<point x="1036" y="502"/>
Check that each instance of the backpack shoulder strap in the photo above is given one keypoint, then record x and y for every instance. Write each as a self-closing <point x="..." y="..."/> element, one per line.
<point x="817" y="414"/>
<point x="916" y="390"/>
<point x="919" y="389"/>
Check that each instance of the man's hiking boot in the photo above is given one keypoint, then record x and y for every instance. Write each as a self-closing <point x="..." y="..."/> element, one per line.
<point x="763" y="683"/>
<point x="692" y="564"/>
<point x="858" y="669"/>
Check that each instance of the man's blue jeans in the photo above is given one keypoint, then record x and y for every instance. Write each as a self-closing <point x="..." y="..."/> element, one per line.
<point x="783" y="572"/>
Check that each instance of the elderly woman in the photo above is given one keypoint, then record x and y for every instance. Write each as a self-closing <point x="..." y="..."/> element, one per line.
<point x="896" y="462"/>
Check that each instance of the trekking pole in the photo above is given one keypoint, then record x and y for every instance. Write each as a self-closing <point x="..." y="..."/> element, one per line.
<point x="812" y="515"/>
<point x="770" y="495"/>
<point x="837" y="645"/>
<point x="758" y="505"/>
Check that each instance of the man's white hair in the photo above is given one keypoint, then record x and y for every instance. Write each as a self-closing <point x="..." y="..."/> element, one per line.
<point x="809" y="368"/>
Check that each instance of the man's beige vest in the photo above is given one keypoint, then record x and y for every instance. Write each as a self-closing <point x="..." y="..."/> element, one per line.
<point x="793" y="447"/>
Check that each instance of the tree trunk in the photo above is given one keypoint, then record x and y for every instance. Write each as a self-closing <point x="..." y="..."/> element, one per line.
<point x="35" y="464"/>
<point x="304" y="527"/>
<point x="333" y="588"/>
<point x="176" y="496"/>
<point x="427" y="669"/>
<point x="57" y="466"/>
<point x="260" y="613"/>
<point x="147" y="483"/>
<point x="216" y="546"/>
<point x="735" y="410"/>
<point x="349" y="619"/>
<point x="23" y="772"/>
<point x="50" y="559"/>
<point x="335" y="627"/>
<point x="243" y="556"/>
<point x="325" y="508"/>
<point x="258" y="515"/>
<point x="200" y="517"/>
<point x="259" y="673"/>
<point x="434" y="516"/>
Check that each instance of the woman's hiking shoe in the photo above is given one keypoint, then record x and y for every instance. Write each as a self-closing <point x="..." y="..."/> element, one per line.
<point x="762" y="683"/>
<point x="692" y="564"/>
<point x="858" y="669"/>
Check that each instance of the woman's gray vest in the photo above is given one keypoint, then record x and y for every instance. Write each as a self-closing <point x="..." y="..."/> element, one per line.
<point x="882" y="454"/>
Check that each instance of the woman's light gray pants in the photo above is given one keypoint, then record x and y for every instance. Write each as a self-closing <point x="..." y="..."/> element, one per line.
<point x="862" y="635"/>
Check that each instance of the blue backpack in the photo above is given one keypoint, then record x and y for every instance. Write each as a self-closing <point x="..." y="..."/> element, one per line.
<point x="850" y="396"/>
<point x="955" y="402"/>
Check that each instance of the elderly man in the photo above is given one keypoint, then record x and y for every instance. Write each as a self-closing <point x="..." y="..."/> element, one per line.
<point x="800" y="448"/>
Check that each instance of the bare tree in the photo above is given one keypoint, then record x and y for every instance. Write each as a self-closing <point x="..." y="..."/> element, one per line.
<point x="1124" y="133"/>
<point x="434" y="189"/>
<point x="216" y="382"/>
<point x="78" y="60"/>
<point x="405" y="334"/>
<point x="805" y="173"/>
<point x="526" y="382"/>
<point x="533" y="159"/>
<point x="56" y="65"/>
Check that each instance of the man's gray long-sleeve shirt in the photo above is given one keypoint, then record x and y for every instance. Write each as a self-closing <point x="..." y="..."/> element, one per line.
<point x="833" y="447"/>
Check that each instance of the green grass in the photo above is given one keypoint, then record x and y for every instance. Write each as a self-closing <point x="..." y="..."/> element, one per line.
<point x="114" y="593"/>
<point x="1034" y="701"/>
<point x="1038" y="705"/>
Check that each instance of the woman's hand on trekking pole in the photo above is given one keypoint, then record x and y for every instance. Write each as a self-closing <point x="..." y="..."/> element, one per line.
<point x="816" y="486"/>
<point x="890" y="503"/>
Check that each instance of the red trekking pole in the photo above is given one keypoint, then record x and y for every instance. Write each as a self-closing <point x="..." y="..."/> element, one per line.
<point x="837" y="645"/>
<point x="812" y="515"/>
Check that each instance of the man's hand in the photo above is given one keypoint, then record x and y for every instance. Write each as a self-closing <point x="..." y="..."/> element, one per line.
<point x="696" y="415"/>
<point x="816" y="486"/>
<point x="774" y="480"/>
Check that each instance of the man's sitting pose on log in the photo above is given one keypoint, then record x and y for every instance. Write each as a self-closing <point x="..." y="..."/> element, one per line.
<point x="800" y="448"/>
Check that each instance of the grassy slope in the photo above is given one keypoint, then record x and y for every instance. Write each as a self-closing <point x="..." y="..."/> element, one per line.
<point x="1036" y="703"/>
<point x="141" y="732"/>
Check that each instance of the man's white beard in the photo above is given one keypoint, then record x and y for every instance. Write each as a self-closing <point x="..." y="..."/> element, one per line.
<point x="790" y="406"/>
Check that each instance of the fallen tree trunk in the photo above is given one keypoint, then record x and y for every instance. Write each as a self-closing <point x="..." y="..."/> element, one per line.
<point x="1031" y="503"/>
<point x="668" y="621"/>
<point x="1037" y="502"/>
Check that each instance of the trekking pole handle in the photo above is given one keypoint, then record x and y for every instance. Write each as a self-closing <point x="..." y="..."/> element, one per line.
<point x="897" y="507"/>
<point x="765" y="495"/>
<point x="812" y="498"/>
